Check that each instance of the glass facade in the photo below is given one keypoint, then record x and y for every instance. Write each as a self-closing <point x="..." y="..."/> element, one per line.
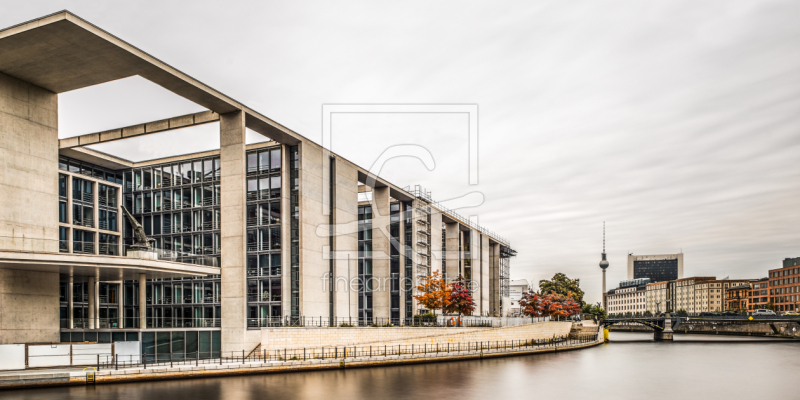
<point x="395" y="245"/>
<point x="264" y="272"/>
<point x="365" y="281"/>
<point x="656" y="270"/>
<point x="294" y="203"/>
<point x="178" y="205"/>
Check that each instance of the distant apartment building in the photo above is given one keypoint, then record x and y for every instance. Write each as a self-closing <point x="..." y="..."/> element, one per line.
<point x="692" y="294"/>
<point x="718" y="292"/>
<point x="736" y="297"/>
<point x="783" y="285"/>
<point x="659" y="268"/>
<point x="629" y="297"/>
<point x="656" y="297"/>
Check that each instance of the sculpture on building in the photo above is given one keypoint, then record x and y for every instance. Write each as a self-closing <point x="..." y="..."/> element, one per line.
<point x="141" y="241"/>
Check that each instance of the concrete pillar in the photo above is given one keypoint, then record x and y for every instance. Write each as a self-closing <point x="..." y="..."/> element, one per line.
<point x="436" y="244"/>
<point x="92" y="303"/>
<point x="70" y="304"/>
<point x="485" y="267"/>
<point x="477" y="277"/>
<point x="29" y="300"/>
<point x="314" y="184"/>
<point x="120" y="306"/>
<point x="345" y="217"/>
<point x="142" y="301"/>
<point x="233" y="231"/>
<point x="453" y="256"/>
<point x="496" y="299"/>
<point x="381" y="295"/>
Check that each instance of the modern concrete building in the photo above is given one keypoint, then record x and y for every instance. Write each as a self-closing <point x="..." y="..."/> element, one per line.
<point x="244" y="237"/>
<point x="629" y="297"/>
<point x="658" y="268"/>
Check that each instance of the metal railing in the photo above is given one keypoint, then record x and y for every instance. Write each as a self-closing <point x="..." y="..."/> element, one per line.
<point x="425" y="196"/>
<point x="341" y="354"/>
<point x="108" y="249"/>
<point x="346" y="322"/>
<point x="87" y="222"/>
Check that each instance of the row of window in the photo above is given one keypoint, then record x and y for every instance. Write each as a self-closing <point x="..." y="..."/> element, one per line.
<point x="161" y="176"/>
<point x="179" y="222"/>
<point x="264" y="161"/>
<point x="83" y="242"/>
<point x="176" y="199"/>
<point x="75" y="166"/>
<point x="264" y="239"/>
<point x="267" y="264"/>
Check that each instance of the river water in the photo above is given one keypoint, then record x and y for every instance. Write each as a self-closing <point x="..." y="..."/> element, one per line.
<point x="632" y="366"/>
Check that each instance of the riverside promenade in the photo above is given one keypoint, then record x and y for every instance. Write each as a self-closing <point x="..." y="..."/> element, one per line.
<point x="293" y="360"/>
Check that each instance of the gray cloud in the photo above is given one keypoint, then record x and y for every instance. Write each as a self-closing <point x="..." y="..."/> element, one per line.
<point x="674" y="121"/>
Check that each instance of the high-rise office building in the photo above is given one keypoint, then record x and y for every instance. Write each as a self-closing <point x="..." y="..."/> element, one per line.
<point x="658" y="268"/>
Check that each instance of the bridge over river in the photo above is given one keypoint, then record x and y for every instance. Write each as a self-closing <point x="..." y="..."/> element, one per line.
<point x="664" y="326"/>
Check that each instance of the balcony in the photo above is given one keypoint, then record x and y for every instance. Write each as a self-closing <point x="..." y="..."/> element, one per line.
<point x="116" y="261"/>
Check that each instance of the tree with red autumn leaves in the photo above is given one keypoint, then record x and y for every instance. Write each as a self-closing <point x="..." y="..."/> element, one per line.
<point x="460" y="299"/>
<point x="549" y="304"/>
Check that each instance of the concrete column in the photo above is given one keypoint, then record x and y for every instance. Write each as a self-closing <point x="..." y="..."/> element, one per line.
<point x="381" y="296"/>
<point x="29" y="300"/>
<point x="452" y="260"/>
<point x="142" y="301"/>
<point x="436" y="244"/>
<point x="92" y="303"/>
<point x="483" y="259"/>
<point x="313" y="203"/>
<point x="233" y="231"/>
<point x="70" y="304"/>
<point x="496" y="299"/>
<point x="477" y="277"/>
<point x="345" y="217"/>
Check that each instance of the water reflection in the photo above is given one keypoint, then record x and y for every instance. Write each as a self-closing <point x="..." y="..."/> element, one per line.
<point x="631" y="367"/>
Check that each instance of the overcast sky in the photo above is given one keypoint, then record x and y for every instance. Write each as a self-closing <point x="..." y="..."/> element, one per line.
<point x="676" y="122"/>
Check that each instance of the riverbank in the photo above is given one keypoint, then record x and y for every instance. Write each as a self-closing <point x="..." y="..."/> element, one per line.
<point x="45" y="378"/>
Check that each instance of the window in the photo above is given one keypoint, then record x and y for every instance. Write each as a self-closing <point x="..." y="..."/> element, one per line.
<point x="252" y="163"/>
<point x="263" y="161"/>
<point x="275" y="159"/>
<point x="63" y="239"/>
<point x="83" y="242"/>
<point x="275" y="186"/>
<point x="62" y="185"/>
<point x="109" y="244"/>
<point x="62" y="211"/>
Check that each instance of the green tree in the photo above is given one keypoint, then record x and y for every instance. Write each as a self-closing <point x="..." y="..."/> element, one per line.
<point x="595" y="310"/>
<point x="562" y="285"/>
<point x="648" y="314"/>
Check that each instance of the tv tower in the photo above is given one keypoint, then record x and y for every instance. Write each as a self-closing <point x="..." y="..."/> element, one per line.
<point x="604" y="266"/>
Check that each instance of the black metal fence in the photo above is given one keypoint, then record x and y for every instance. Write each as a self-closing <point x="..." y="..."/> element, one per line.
<point x="334" y="353"/>
<point x="416" y="321"/>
